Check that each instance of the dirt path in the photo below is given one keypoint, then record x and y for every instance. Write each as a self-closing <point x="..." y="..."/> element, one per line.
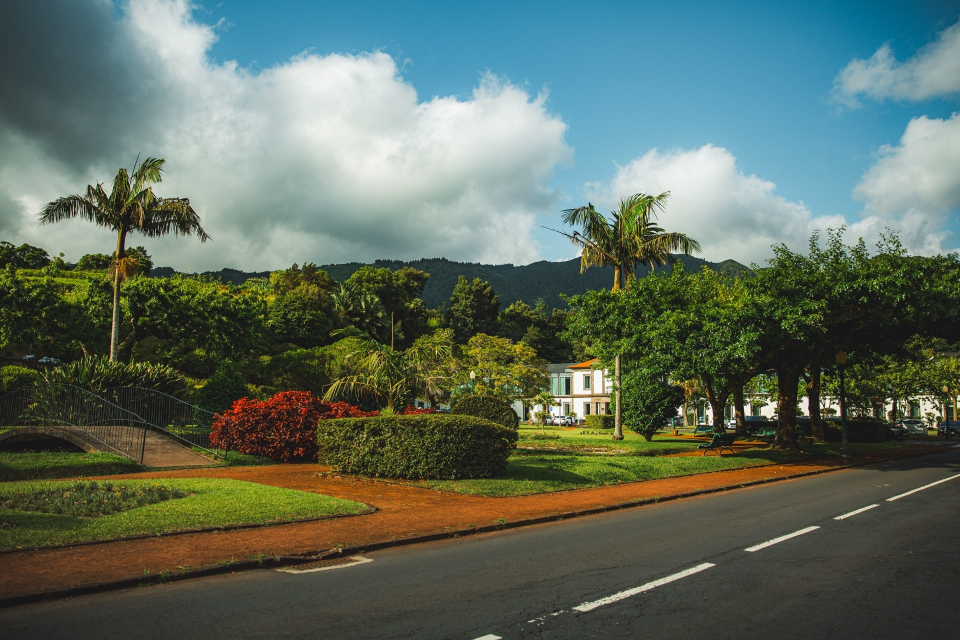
<point x="403" y="512"/>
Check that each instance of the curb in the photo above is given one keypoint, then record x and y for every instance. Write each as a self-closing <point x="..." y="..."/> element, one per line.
<point x="313" y="556"/>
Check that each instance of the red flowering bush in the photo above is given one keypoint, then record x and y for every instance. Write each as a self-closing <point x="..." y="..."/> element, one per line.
<point x="413" y="411"/>
<point x="283" y="428"/>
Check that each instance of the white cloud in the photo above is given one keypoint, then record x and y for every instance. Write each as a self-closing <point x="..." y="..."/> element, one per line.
<point x="739" y="216"/>
<point x="322" y="158"/>
<point x="933" y="72"/>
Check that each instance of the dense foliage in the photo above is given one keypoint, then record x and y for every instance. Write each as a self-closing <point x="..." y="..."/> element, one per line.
<point x="423" y="446"/>
<point x="13" y="377"/>
<point x="489" y="408"/>
<point x="223" y="388"/>
<point x="282" y="428"/>
<point x="98" y="374"/>
<point x="597" y="422"/>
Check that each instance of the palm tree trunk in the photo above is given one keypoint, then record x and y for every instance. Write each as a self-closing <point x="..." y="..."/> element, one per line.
<point x="618" y="408"/>
<point x="115" y="325"/>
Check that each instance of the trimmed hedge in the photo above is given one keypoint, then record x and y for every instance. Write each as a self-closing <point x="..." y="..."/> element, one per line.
<point x="493" y="409"/>
<point x="442" y="447"/>
<point x="282" y="428"/>
<point x="13" y="377"/>
<point x="600" y="422"/>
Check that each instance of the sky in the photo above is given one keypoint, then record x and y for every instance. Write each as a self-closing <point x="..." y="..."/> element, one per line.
<point x="333" y="132"/>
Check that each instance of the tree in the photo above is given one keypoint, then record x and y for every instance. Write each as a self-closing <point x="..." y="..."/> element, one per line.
<point x="629" y="239"/>
<point x="474" y="307"/>
<point x="131" y="207"/>
<point x="363" y="311"/>
<point x="93" y="262"/>
<point x="398" y="292"/>
<point x="502" y="369"/>
<point x="391" y="376"/>
<point x="143" y="259"/>
<point x="649" y="401"/>
<point x="23" y="257"/>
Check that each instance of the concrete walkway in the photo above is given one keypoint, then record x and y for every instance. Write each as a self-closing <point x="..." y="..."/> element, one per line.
<point x="161" y="451"/>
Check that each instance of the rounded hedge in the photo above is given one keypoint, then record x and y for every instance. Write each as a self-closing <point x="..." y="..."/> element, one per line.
<point x="493" y="409"/>
<point x="434" y="446"/>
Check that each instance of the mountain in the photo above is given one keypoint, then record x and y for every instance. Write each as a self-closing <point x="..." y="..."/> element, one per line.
<point x="542" y="279"/>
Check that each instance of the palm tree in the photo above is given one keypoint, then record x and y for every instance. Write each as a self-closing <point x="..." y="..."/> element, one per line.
<point x="130" y="207"/>
<point x="392" y="376"/>
<point x="632" y="238"/>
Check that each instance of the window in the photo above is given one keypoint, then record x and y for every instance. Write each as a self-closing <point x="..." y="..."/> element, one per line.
<point x="555" y="385"/>
<point x="586" y="381"/>
<point x="564" y="386"/>
<point x="566" y="407"/>
<point x="606" y="408"/>
<point x="586" y="408"/>
<point x="914" y="409"/>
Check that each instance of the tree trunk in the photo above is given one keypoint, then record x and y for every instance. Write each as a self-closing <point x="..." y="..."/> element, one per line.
<point x="115" y="326"/>
<point x="787" y="379"/>
<point x="718" y="402"/>
<point x="813" y="403"/>
<point x="738" y="408"/>
<point x="618" y="409"/>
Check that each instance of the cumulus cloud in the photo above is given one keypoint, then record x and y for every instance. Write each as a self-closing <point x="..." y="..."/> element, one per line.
<point x="740" y="216"/>
<point x="325" y="158"/>
<point x="933" y="72"/>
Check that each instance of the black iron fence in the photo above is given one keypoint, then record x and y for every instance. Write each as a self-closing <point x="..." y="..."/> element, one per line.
<point x="171" y="416"/>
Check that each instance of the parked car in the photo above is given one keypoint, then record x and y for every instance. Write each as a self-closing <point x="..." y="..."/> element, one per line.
<point x="914" y="426"/>
<point x="563" y="421"/>
<point x="952" y="425"/>
<point x="895" y="431"/>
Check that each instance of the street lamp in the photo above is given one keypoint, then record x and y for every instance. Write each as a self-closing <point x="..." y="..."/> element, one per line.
<point x="841" y="358"/>
<point x="946" y="407"/>
<point x="473" y="376"/>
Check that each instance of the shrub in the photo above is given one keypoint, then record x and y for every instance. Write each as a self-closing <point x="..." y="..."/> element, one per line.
<point x="493" y="409"/>
<point x="13" y="377"/>
<point x="424" y="446"/>
<point x="857" y="431"/>
<point x="600" y="422"/>
<point x="224" y="387"/>
<point x="98" y="373"/>
<point x="414" y="411"/>
<point x="282" y="428"/>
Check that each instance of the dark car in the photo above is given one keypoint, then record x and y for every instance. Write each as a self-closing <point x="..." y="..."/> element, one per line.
<point x="896" y="431"/>
<point x="952" y="425"/>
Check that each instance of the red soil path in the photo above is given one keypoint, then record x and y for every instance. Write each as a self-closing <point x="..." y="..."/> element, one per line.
<point x="403" y="512"/>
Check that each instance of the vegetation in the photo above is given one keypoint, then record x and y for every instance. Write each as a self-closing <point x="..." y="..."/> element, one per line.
<point x="488" y="408"/>
<point x="222" y="389"/>
<point x="56" y="464"/>
<point x="130" y="207"/>
<point x="421" y="446"/>
<point x="88" y="499"/>
<point x="208" y="503"/>
<point x="14" y="377"/>
<point x="98" y="374"/>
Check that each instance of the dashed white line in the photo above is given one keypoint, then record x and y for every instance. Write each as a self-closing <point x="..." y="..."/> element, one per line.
<point x="853" y="513"/>
<point x="770" y="543"/>
<point x="926" y="486"/>
<point x="489" y="636"/>
<point x="590" y="606"/>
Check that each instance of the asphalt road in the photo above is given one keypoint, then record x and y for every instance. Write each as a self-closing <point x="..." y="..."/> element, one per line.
<point x="710" y="567"/>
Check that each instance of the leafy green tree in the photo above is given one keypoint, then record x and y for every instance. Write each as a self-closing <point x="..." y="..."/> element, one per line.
<point x="630" y="239"/>
<point x="297" y="277"/>
<point x="649" y="401"/>
<point x="398" y="292"/>
<point x="93" y="262"/>
<point x="143" y="259"/>
<point x="300" y="318"/>
<point x="224" y="387"/>
<point x="23" y="257"/>
<point x="33" y="315"/>
<point x="474" y="307"/>
<point x="130" y="207"/>
<point x="502" y="369"/>
<point x="363" y="311"/>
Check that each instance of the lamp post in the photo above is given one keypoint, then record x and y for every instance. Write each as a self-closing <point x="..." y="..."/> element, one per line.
<point x="946" y="408"/>
<point x="473" y="376"/>
<point x="841" y="358"/>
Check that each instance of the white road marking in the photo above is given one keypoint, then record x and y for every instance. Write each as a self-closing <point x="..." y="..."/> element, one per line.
<point x="926" y="486"/>
<point x="489" y="636"/>
<point x="590" y="606"/>
<point x="853" y="513"/>
<point x="770" y="543"/>
<point x="355" y="561"/>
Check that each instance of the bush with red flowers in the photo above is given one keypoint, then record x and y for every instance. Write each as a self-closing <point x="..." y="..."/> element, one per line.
<point x="414" y="411"/>
<point x="283" y="428"/>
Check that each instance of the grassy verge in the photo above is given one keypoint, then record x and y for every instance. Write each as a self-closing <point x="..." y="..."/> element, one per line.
<point x="552" y="438"/>
<point x="56" y="464"/>
<point x="235" y="459"/>
<point x="211" y="503"/>
<point x="536" y="472"/>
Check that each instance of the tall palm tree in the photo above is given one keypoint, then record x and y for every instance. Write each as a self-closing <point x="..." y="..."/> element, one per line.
<point x="130" y="207"/>
<point x="630" y="239"/>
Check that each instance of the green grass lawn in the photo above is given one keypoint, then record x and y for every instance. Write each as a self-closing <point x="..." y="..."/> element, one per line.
<point x="211" y="503"/>
<point x="550" y="438"/>
<point x="56" y="464"/>
<point x="535" y="472"/>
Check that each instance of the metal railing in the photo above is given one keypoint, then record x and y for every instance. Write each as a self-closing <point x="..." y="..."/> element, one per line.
<point x="182" y="421"/>
<point x="64" y="405"/>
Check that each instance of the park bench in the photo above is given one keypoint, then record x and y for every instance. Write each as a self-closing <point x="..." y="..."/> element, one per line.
<point x="703" y="429"/>
<point x="766" y="432"/>
<point x="720" y="442"/>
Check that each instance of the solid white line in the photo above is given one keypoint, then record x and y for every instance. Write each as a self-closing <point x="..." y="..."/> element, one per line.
<point x="853" y="513"/>
<point x="590" y="606"/>
<point x="356" y="560"/>
<point x="489" y="636"/>
<point x="770" y="543"/>
<point x="926" y="486"/>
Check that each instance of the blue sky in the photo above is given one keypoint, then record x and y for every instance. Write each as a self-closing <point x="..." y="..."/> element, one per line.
<point x="755" y="135"/>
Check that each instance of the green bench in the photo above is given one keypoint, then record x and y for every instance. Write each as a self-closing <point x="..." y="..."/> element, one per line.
<point x="720" y="442"/>
<point x="703" y="430"/>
